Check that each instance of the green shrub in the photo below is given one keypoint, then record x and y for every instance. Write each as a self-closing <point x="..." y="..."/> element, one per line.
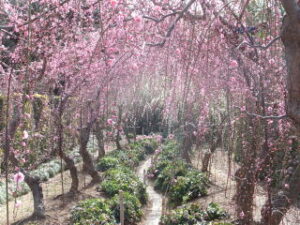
<point x="123" y="179"/>
<point x="107" y="162"/>
<point x="194" y="215"/>
<point x="187" y="215"/>
<point x="93" y="211"/>
<point x="193" y="185"/>
<point x="169" y="173"/>
<point x="214" y="212"/>
<point x="133" y="209"/>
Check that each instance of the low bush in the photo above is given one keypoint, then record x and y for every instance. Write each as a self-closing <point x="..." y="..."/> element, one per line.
<point x="124" y="179"/>
<point x="185" y="188"/>
<point x="194" y="215"/>
<point x="107" y="162"/>
<point x="93" y="211"/>
<point x="133" y="209"/>
<point x="173" y="175"/>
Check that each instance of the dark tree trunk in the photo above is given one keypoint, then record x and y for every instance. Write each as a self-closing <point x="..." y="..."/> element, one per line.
<point x="88" y="165"/>
<point x="73" y="172"/>
<point x="36" y="190"/>
<point x="246" y="179"/>
<point x="274" y="210"/>
<point x="38" y="198"/>
<point x="291" y="39"/>
<point x="118" y="136"/>
<point x="100" y="139"/>
<point x="69" y="161"/>
<point x="207" y="155"/>
<point x="187" y="144"/>
<point x="290" y="35"/>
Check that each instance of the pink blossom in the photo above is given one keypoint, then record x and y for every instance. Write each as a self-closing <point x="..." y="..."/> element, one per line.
<point x="242" y="214"/>
<point x="233" y="64"/>
<point x="23" y="143"/>
<point x="19" y="177"/>
<point x="25" y="135"/>
<point x="157" y="151"/>
<point x="18" y="204"/>
<point x="110" y="121"/>
<point x="113" y="3"/>
<point x="171" y="136"/>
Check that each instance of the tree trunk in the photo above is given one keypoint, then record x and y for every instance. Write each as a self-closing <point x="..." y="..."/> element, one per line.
<point x="100" y="139"/>
<point x="118" y="136"/>
<point x="69" y="161"/>
<point x="207" y="155"/>
<point x="73" y="172"/>
<point x="88" y="165"/>
<point x="187" y="143"/>
<point x="291" y="39"/>
<point x="274" y="211"/>
<point x="38" y="198"/>
<point x="245" y="181"/>
<point x="289" y="192"/>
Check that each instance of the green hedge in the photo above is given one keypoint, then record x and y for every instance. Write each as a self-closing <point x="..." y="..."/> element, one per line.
<point x="93" y="211"/>
<point x="194" y="215"/>
<point x="123" y="179"/>
<point x="129" y="156"/>
<point x="173" y="175"/>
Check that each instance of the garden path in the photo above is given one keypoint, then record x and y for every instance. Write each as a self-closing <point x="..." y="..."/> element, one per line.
<point x="154" y="208"/>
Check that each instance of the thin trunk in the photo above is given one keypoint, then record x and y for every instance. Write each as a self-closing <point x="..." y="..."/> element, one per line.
<point x="38" y="198"/>
<point x="88" y="165"/>
<point x="274" y="210"/>
<point x="73" y="172"/>
<point x="118" y="137"/>
<point x="69" y="161"/>
<point x="100" y="139"/>
<point x="187" y="143"/>
<point x="245" y="181"/>
<point x="207" y="155"/>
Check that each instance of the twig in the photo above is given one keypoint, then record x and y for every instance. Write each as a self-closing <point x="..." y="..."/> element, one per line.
<point x="259" y="46"/>
<point x="172" y="26"/>
<point x="162" y="18"/>
<point x="261" y="116"/>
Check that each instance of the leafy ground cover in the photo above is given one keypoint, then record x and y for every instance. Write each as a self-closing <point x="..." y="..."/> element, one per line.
<point x="177" y="178"/>
<point x="194" y="215"/>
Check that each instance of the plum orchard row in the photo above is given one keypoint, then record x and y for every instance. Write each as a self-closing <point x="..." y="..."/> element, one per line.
<point x="44" y="172"/>
<point x="182" y="183"/>
<point x="118" y="168"/>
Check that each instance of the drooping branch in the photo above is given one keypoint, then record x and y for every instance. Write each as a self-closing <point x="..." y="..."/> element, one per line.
<point x="260" y="46"/>
<point x="261" y="116"/>
<point x="160" y="19"/>
<point x="172" y="26"/>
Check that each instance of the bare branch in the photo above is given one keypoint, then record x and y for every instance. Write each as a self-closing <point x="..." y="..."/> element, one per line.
<point x="261" y="116"/>
<point x="161" y="19"/>
<point x="259" y="46"/>
<point x="172" y="26"/>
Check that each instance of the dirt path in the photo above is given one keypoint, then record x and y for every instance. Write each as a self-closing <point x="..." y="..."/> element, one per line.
<point x="223" y="189"/>
<point x="154" y="208"/>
